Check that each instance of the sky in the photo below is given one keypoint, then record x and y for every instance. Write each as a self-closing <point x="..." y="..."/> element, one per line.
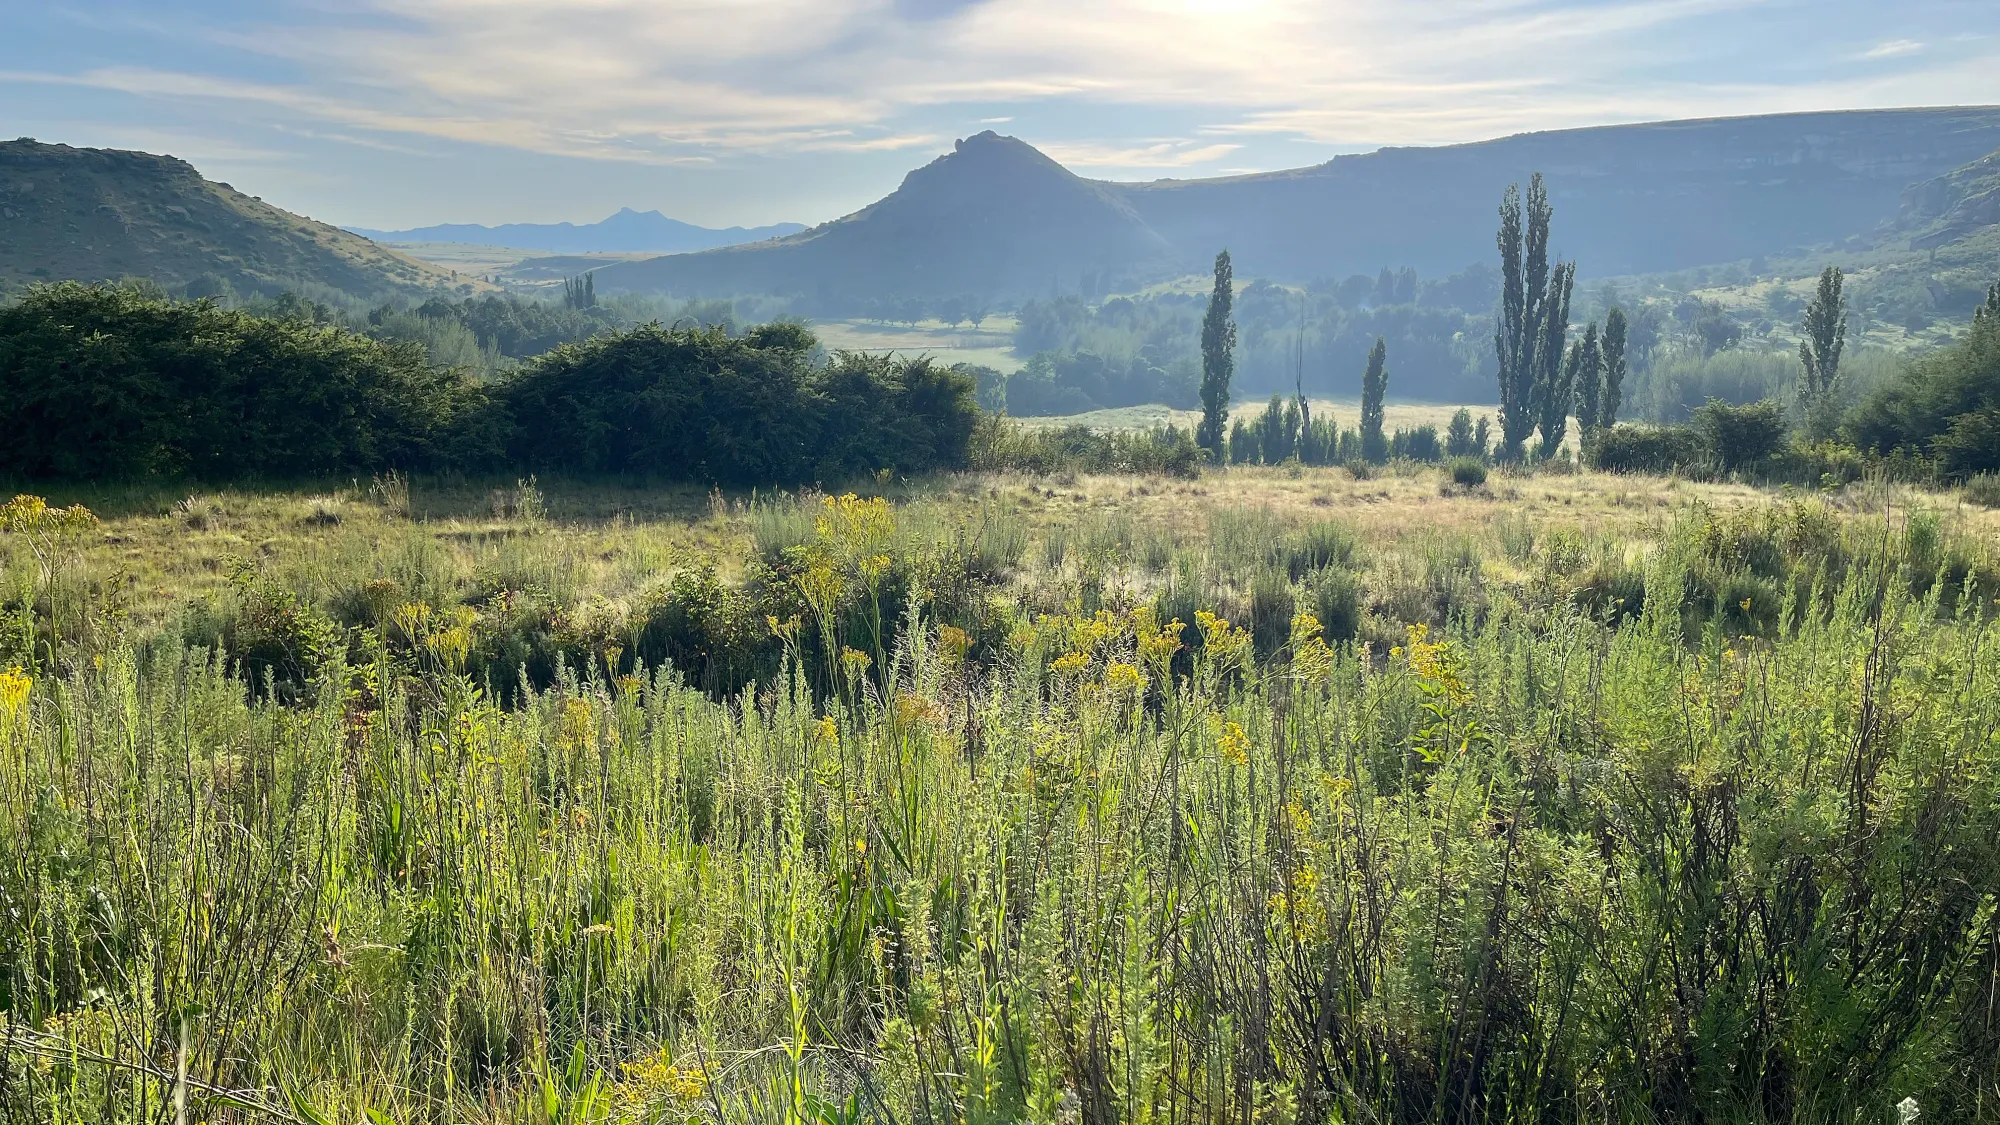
<point x="399" y="113"/>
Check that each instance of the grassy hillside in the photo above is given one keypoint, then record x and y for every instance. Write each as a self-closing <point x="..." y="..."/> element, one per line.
<point x="73" y="214"/>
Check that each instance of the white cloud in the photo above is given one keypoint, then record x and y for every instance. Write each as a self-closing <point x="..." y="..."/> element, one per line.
<point x="1894" y="48"/>
<point x="1159" y="154"/>
<point x="695" y="81"/>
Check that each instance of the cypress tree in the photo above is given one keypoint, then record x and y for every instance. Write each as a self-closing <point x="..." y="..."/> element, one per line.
<point x="1553" y="393"/>
<point x="1613" y="348"/>
<point x="1589" y="385"/>
<point x="1458" y="436"/>
<point x="1374" y="384"/>
<point x="1525" y="288"/>
<point x="1824" y="335"/>
<point x="1218" y="361"/>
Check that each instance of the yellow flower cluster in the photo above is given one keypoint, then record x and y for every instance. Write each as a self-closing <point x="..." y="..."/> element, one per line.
<point x="654" y="1082"/>
<point x="1071" y="663"/>
<point x="954" y="641"/>
<point x="1436" y="666"/>
<point x="826" y="733"/>
<point x="1120" y="677"/>
<point x="14" y="686"/>
<point x="577" y="726"/>
<point x="1312" y="657"/>
<point x="862" y="526"/>
<point x="1230" y="740"/>
<point x="1224" y="643"/>
<point x="31" y="515"/>
<point x="1299" y="906"/>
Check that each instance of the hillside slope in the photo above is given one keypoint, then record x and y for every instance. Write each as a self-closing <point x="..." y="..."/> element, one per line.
<point x="628" y="231"/>
<point x="994" y="215"/>
<point x="101" y="214"/>
<point x="999" y="218"/>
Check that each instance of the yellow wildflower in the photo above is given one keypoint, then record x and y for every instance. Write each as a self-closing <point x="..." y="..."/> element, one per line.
<point x="1122" y="677"/>
<point x="954" y="641"/>
<point x="1070" y="663"/>
<point x="826" y="732"/>
<point x="14" y="685"/>
<point x="1231" y="740"/>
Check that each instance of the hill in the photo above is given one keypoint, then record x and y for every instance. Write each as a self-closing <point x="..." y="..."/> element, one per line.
<point x="1958" y="205"/>
<point x="997" y="217"/>
<point x="994" y="215"/>
<point x="628" y="231"/>
<point x="82" y="214"/>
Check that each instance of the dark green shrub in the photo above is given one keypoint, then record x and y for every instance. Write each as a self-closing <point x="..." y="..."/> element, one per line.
<point x="1739" y="438"/>
<point x="1467" y="472"/>
<point x="1272" y="603"/>
<point x="1335" y="597"/>
<point x="701" y="405"/>
<point x="1945" y="406"/>
<point x="1647" y="449"/>
<point x="103" y="382"/>
<point x="1420" y="444"/>
<point x="1318" y="545"/>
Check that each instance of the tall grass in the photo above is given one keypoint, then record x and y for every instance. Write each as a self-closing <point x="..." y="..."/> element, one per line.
<point x="1533" y="863"/>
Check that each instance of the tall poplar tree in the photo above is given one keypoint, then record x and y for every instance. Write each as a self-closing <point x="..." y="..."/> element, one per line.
<point x="1614" y="369"/>
<point x="1524" y="289"/>
<point x="1374" y="386"/>
<point x="1218" y="361"/>
<point x="1553" y="392"/>
<point x="1824" y="335"/>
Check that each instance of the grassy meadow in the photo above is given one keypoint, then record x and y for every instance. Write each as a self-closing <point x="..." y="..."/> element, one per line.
<point x="1275" y="795"/>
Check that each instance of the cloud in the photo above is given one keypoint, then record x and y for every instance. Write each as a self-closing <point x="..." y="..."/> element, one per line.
<point x="1893" y="48"/>
<point x="1160" y="154"/>
<point x="698" y="81"/>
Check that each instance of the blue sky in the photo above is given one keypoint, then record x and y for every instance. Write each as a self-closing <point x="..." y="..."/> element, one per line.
<point x="396" y="113"/>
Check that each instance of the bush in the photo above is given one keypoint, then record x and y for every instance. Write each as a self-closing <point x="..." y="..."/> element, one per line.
<point x="1647" y="449"/>
<point x="108" y="382"/>
<point x="1739" y="438"/>
<point x="1467" y="472"/>
<point x="1983" y="490"/>
<point x="702" y="405"/>
<point x="1420" y="444"/>
<point x="1945" y="406"/>
<point x="1000" y="444"/>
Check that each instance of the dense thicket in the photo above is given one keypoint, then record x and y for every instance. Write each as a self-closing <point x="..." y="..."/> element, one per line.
<point x="1945" y="407"/>
<point x="104" y="382"/>
<point x="703" y="405"/>
<point x="112" y="383"/>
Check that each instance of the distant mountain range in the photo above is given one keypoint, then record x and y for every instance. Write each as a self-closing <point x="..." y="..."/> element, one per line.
<point x="84" y="214"/>
<point x="996" y="217"/>
<point x="627" y="232"/>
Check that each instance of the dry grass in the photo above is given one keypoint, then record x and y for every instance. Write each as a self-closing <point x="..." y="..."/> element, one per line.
<point x="162" y="549"/>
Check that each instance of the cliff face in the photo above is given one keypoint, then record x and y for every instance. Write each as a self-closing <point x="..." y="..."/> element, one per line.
<point x="102" y="214"/>
<point x="1953" y="207"/>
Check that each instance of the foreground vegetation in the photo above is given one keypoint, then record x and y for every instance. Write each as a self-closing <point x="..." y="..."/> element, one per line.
<point x="1285" y="796"/>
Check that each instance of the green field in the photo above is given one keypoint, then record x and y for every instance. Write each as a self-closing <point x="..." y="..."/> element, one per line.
<point x="1275" y="795"/>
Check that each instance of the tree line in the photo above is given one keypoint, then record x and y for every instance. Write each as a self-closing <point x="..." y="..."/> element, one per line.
<point x="105" y="383"/>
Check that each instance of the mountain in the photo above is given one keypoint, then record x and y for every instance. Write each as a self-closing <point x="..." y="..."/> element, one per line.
<point x="1950" y="208"/>
<point x="997" y="217"/>
<point x="628" y="231"/>
<point x="88" y="214"/>
<point x="992" y="216"/>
